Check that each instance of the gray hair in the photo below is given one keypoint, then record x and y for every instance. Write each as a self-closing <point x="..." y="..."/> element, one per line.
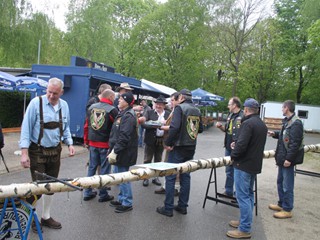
<point x="57" y="82"/>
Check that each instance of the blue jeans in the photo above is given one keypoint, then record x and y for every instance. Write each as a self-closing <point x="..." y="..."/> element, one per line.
<point x="285" y="183"/>
<point x="178" y="155"/>
<point x="125" y="195"/>
<point x="229" y="176"/>
<point x="141" y="133"/>
<point x="98" y="156"/>
<point x="244" y="191"/>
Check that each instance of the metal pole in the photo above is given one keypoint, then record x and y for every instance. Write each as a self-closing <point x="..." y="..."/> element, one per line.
<point x="39" y="49"/>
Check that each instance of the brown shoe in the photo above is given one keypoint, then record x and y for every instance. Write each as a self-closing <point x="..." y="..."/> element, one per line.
<point x="275" y="207"/>
<point x="282" y="214"/>
<point x="238" y="234"/>
<point x="160" y="191"/>
<point x="234" y="223"/>
<point x="51" y="223"/>
<point x="34" y="227"/>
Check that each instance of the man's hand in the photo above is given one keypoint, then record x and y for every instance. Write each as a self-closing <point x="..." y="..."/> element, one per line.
<point x="168" y="148"/>
<point x="286" y="163"/>
<point x="112" y="157"/>
<point x="271" y="133"/>
<point x="72" y="151"/>
<point x="220" y="126"/>
<point x="25" y="161"/>
<point x="138" y="108"/>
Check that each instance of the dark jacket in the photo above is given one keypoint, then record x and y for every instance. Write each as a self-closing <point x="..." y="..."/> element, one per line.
<point x="177" y="130"/>
<point x="235" y="120"/>
<point x="124" y="138"/>
<point x="1" y="137"/>
<point x="150" y="133"/>
<point x="291" y="135"/>
<point x="100" y="117"/>
<point x="93" y="100"/>
<point x="248" y="151"/>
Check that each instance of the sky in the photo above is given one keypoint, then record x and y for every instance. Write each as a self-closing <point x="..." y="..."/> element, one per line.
<point x="56" y="9"/>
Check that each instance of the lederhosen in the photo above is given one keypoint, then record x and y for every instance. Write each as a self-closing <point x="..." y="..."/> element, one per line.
<point x="42" y="159"/>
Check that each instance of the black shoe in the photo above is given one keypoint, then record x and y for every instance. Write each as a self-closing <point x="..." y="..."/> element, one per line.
<point x="34" y="227"/>
<point x="106" y="199"/>
<point x="145" y="182"/>
<point x="180" y="209"/>
<point x="156" y="181"/>
<point x="115" y="204"/>
<point x="91" y="196"/>
<point x="163" y="211"/>
<point x="160" y="191"/>
<point x="122" y="209"/>
<point x="226" y="195"/>
<point x="176" y="193"/>
<point x="234" y="201"/>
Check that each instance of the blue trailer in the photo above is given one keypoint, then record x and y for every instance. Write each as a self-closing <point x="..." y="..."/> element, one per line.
<point x="81" y="81"/>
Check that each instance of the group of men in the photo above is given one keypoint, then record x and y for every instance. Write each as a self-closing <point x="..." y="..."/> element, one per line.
<point x="111" y="133"/>
<point x="245" y="138"/>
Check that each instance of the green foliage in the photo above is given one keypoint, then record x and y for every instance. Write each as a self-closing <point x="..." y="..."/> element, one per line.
<point x="11" y="108"/>
<point x="222" y="46"/>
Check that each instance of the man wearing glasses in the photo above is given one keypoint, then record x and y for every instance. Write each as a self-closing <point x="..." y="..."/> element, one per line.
<point x="231" y="129"/>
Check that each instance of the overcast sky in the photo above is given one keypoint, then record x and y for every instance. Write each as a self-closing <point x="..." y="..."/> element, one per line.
<point x="56" y="9"/>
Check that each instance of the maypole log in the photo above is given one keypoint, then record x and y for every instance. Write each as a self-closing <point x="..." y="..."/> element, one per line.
<point x="27" y="189"/>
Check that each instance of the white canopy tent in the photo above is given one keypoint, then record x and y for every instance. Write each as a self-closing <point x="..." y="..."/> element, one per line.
<point x="161" y="88"/>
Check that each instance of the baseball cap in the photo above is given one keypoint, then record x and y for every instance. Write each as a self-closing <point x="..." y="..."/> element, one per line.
<point x="251" y="103"/>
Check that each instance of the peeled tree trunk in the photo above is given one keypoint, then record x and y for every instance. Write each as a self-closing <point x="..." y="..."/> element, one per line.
<point x="27" y="189"/>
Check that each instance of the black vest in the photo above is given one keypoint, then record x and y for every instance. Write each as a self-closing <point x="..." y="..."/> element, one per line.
<point x="99" y="124"/>
<point x="190" y="122"/>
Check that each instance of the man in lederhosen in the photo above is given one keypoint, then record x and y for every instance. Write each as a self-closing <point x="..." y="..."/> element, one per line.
<point x="44" y="127"/>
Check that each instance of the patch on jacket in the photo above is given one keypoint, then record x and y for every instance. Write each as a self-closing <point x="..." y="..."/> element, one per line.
<point x="193" y="126"/>
<point x="97" y="118"/>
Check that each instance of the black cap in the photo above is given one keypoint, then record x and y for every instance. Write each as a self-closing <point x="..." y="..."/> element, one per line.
<point x="128" y="97"/>
<point x="185" y="92"/>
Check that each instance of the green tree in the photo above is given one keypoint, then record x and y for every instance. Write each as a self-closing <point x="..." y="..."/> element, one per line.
<point x="233" y="22"/>
<point x="298" y="68"/>
<point x="259" y="68"/>
<point x="170" y="44"/>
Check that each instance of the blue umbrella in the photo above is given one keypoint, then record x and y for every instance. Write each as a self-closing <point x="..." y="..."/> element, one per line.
<point x="30" y="84"/>
<point x="207" y="103"/>
<point x="7" y="80"/>
<point x="202" y="95"/>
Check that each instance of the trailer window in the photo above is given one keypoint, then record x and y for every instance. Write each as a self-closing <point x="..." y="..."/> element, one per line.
<point x="302" y="114"/>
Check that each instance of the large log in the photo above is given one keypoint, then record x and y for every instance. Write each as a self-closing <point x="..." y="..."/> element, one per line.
<point x="135" y="174"/>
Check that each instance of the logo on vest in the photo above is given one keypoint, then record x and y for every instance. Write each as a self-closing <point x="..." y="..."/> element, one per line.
<point x="193" y="126"/>
<point x="97" y="118"/>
